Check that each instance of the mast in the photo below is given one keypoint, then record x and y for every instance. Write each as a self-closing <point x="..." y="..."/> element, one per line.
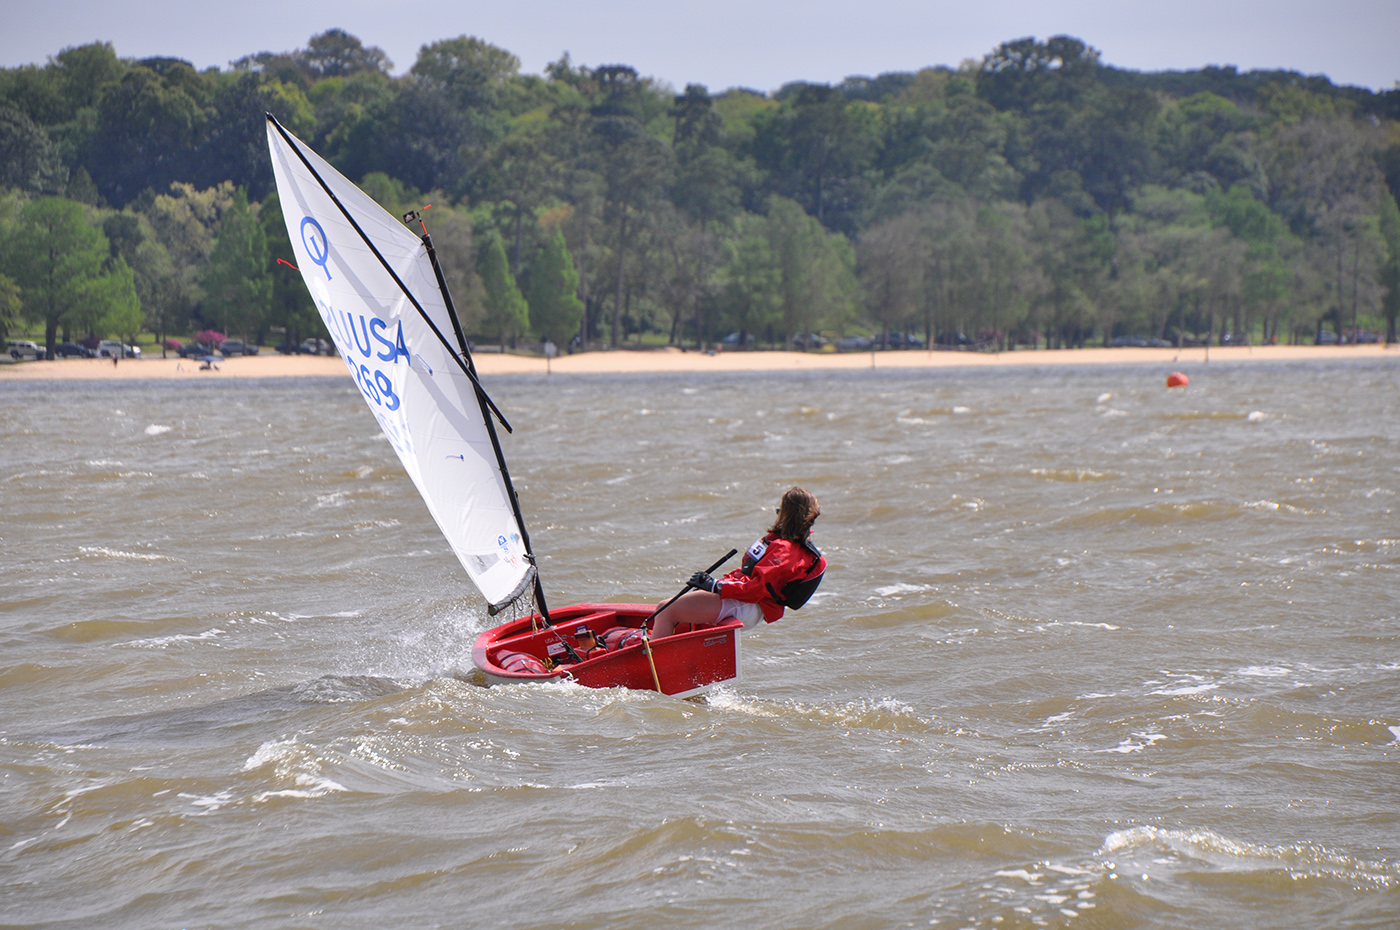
<point x="485" y="401"/>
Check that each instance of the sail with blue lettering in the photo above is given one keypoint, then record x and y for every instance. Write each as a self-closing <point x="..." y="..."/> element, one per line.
<point x="383" y="300"/>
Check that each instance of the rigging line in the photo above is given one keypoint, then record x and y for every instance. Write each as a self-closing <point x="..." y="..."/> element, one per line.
<point x="467" y="368"/>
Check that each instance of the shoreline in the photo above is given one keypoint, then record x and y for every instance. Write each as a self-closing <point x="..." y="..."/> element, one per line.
<point x="672" y="360"/>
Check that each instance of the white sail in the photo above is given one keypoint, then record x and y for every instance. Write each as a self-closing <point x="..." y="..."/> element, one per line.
<point x="400" y="344"/>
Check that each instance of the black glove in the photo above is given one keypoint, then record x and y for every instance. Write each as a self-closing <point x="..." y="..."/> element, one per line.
<point x="704" y="582"/>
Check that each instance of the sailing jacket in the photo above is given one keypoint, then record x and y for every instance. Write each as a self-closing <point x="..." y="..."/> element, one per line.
<point x="777" y="573"/>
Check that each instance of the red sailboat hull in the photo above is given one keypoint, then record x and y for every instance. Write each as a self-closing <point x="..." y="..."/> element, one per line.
<point x="686" y="663"/>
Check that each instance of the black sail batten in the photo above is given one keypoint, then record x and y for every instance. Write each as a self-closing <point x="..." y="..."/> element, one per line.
<point x="460" y="354"/>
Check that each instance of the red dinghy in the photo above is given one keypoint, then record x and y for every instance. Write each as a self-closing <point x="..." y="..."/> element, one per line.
<point x="686" y="663"/>
<point x="384" y="299"/>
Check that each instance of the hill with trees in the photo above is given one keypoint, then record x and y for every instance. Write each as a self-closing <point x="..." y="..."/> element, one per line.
<point x="1036" y="198"/>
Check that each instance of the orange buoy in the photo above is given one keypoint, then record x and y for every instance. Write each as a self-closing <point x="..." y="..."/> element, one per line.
<point x="1177" y="379"/>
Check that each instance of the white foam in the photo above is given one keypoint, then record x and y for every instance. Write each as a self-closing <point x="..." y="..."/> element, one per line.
<point x="160" y="642"/>
<point x="893" y="589"/>
<point x="156" y="429"/>
<point x="104" y="552"/>
<point x="291" y="759"/>
<point x="1128" y="745"/>
<point x="1262" y="671"/>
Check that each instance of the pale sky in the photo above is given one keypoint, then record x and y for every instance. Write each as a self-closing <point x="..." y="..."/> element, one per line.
<point x="760" y="44"/>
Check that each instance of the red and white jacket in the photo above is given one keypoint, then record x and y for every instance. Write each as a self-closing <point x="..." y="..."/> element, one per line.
<point x="770" y="566"/>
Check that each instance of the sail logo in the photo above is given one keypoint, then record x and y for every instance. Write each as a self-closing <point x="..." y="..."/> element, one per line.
<point x="317" y="245"/>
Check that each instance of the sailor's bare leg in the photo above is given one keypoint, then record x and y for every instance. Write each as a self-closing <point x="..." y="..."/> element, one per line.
<point x="700" y="608"/>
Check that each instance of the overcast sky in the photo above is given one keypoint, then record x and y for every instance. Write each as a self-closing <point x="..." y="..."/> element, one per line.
<point x="761" y="44"/>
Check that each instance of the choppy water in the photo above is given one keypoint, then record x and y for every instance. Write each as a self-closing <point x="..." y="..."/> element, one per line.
<point x="1091" y="653"/>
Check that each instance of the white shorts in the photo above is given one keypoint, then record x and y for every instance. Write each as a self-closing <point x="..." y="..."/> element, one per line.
<point x="749" y="614"/>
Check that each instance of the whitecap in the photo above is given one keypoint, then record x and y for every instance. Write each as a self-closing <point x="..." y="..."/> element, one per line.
<point x="892" y="590"/>
<point x="1185" y="689"/>
<point x="1262" y="671"/>
<point x="156" y="429"/>
<point x="160" y="642"/>
<point x="291" y="759"/>
<point x="1129" y="745"/>
<point x="106" y="553"/>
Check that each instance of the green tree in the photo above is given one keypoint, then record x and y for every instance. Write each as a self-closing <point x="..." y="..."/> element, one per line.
<point x="28" y="160"/>
<point x="337" y="53"/>
<point x="238" y="284"/>
<point x="633" y="164"/>
<point x="709" y="179"/>
<point x="750" y="292"/>
<point x="473" y="72"/>
<point x="10" y="304"/>
<point x="147" y="130"/>
<point x="818" y="287"/>
<point x="56" y="257"/>
<point x="892" y="262"/>
<point x="115" y="303"/>
<point x="507" y="314"/>
<point x="817" y="148"/>
<point x="1390" y="268"/>
<point x="291" y="309"/>
<point x="555" y="309"/>
<point x="166" y="291"/>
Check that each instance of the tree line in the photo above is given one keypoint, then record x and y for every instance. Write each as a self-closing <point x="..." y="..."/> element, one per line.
<point x="1034" y="198"/>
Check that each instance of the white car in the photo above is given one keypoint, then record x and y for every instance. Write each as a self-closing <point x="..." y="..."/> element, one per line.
<point x="110" y="348"/>
<point x="21" y="349"/>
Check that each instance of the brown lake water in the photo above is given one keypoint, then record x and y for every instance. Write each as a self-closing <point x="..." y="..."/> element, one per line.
<point x="1090" y="653"/>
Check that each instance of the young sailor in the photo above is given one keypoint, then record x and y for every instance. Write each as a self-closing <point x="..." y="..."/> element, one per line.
<point x="780" y="570"/>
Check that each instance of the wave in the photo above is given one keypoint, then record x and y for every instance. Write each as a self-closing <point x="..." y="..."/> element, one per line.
<point x="1158" y="852"/>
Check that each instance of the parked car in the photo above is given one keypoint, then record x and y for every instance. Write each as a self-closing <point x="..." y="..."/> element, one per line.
<point x="853" y="343"/>
<point x="809" y="341"/>
<point x="72" y="350"/>
<point x="21" y="349"/>
<point x="194" y="350"/>
<point x="231" y="347"/>
<point x="315" y="347"/>
<point x="1136" y="342"/>
<point x="733" y="339"/>
<point x="110" y="348"/>
<point x="905" y="341"/>
<point x="1327" y="338"/>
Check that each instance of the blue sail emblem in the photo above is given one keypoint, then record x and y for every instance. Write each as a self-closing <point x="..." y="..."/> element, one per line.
<point x="318" y="247"/>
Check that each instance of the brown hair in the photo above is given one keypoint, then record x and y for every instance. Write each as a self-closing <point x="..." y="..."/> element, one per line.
<point x="796" y="514"/>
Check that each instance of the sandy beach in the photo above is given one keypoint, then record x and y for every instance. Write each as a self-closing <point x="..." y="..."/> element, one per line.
<point x="626" y="361"/>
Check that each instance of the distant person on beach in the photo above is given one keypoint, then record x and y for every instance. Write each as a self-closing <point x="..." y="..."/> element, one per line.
<point x="782" y="569"/>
